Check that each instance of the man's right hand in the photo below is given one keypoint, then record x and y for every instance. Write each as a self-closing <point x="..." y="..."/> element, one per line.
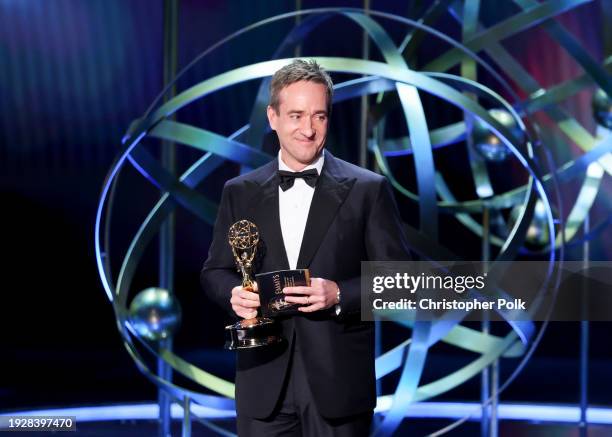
<point x="245" y="302"/>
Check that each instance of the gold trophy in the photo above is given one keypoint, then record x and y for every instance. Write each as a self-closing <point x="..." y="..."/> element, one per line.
<point x="243" y="237"/>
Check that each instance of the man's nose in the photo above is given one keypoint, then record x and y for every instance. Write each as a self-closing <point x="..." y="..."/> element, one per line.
<point x="307" y="128"/>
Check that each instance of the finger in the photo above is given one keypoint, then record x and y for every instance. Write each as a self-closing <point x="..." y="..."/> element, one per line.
<point x="298" y="290"/>
<point x="304" y="300"/>
<point x="248" y="303"/>
<point x="241" y="312"/>
<point x="244" y="303"/>
<point x="249" y="295"/>
<point x="318" y="283"/>
<point x="311" y="308"/>
<point x="298" y="299"/>
<point x="247" y="314"/>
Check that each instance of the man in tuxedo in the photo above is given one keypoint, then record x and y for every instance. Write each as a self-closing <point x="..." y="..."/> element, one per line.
<point x="318" y="212"/>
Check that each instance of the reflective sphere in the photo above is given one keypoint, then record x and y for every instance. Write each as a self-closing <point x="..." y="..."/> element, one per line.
<point x="155" y="314"/>
<point x="602" y="108"/>
<point x="538" y="234"/>
<point x="486" y="143"/>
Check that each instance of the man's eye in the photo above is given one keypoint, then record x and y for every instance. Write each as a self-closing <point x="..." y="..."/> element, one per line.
<point x="294" y="116"/>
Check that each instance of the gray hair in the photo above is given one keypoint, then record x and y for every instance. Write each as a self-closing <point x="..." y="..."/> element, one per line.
<point x="296" y="71"/>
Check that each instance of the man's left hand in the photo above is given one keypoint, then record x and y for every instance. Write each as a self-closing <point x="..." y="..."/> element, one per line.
<point x="321" y="294"/>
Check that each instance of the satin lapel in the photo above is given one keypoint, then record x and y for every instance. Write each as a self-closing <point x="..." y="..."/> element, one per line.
<point x="330" y="192"/>
<point x="265" y="214"/>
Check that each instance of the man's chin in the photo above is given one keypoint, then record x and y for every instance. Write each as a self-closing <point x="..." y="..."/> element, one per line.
<point x="309" y="159"/>
<point x="310" y="156"/>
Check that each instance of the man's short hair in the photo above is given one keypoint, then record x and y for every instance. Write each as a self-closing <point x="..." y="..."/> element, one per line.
<point x="296" y="71"/>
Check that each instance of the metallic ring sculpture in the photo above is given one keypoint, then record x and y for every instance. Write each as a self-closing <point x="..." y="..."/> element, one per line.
<point x="392" y="76"/>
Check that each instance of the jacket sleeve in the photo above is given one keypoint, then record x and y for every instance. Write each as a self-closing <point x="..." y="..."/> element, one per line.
<point x="384" y="241"/>
<point x="219" y="275"/>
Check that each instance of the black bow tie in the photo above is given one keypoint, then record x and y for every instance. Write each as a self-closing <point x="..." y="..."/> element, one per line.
<point x="287" y="178"/>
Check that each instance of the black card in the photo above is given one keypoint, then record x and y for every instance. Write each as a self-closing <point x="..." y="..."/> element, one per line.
<point x="271" y="295"/>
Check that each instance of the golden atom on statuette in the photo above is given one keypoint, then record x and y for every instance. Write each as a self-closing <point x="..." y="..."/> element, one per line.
<point x="243" y="235"/>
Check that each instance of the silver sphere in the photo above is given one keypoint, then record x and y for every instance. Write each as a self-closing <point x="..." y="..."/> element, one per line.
<point x="538" y="234"/>
<point x="602" y="108"/>
<point x="486" y="143"/>
<point x="155" y="314"/>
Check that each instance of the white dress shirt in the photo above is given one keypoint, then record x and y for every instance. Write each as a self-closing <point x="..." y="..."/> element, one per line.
<point x="294" y="205"/>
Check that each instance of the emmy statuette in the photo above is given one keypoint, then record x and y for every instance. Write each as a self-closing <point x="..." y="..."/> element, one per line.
<point x="243" y="237"/>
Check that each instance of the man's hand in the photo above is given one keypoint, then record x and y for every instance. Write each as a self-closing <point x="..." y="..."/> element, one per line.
<point x="321" y="294"/>
<point x="245" y="302"/>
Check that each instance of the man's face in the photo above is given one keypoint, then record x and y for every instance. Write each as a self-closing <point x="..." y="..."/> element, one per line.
<point x="301" y="124"/>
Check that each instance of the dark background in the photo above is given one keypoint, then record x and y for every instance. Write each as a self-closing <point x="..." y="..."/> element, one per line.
<point x="74" y="74"/>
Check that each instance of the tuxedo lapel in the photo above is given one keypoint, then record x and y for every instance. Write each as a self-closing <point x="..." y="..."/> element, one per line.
<point x="331" y="190"/>
<point x="265" y="213"/>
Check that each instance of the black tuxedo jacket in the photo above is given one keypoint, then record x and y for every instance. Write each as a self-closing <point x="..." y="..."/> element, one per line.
<point x="352" y="217"/>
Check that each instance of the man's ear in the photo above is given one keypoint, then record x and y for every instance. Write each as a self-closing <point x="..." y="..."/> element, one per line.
<point x="272" y="116"/>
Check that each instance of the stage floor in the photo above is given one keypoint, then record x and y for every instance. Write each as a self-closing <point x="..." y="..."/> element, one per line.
<point x="417" y="428"/>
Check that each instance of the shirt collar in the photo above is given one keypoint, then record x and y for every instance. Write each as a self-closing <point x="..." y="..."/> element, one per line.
<point x="318" y="164"/>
